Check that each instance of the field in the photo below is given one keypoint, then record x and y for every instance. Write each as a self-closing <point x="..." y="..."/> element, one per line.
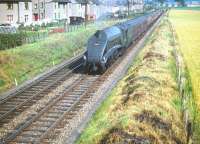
<point x="145" y="106"/>
<point x="187" y="8"/>
<point x="187" y="26"/>
<point x="24" y="62"/>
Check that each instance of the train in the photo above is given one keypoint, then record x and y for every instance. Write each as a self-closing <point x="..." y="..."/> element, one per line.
<point x="106" y="45"/>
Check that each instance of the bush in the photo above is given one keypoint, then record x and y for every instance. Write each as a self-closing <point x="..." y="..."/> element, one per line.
<point x="11" y="40"/>
<point x="17" y="39"/>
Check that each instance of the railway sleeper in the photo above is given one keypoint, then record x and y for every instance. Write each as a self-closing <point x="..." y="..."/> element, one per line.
<point x="61" y="109"/>
<point x="16" y="113"/>
<point x="16" y="100"/>
<point x="52" y="120"/>
<point x="25" y="93"/>
<point x="24" y="97"/>
<point x="6" y="108"/>
<point x="68" y="101"/>
<point x="83" y="101"/>
<point x="5" y="121"/>
<point x="37" y="89"/>
<point x="37" y="98"/>
<point x="43" y="93"/>
<point x="2" y="112"/>
<point x="67" y="104"/>
<point x="31" y="134"/>
<point x="81" y="90"/>
<point x="7" y="118"/>
<point x="41" y="125"/>
<point x="77" y="93"/>
<point x="12" y="103"/>
<point x="79" y="106"/>
<point x="23" y="140"/>
<point x="52" y="116"/>
<point x="35" y="130"/>
<point x="71" y="97"/>
<point x="54" y="112"/>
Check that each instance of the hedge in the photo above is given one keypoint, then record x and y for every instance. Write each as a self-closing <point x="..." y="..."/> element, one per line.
<point x="8" y="41"/>
<point x="11" y="40"/>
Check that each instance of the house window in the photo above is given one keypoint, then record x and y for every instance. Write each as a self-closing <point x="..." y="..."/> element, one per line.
<point x="35" y="6"/>
<point x="42" y="5"/>
<point x="26" y="6"/>
<point x="63" y="6"/>
<point x="10" y="6"/>
<point x="55" y="6"/>
<point x="10" y="18"/>
<point x="26" y="18"/>
<point x="58" y="15"/>
<point x="58" y="5"/>
<point x="42" y="15"/>
<point x="55" y="15"/>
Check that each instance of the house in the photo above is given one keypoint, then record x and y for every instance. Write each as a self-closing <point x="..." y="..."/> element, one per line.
<point x="56" y="9"/>
<point x="192" y="3"/>
<point x="48" y="10"/>
<point x="75" y="9"/>
<point x="38" y="9"/>
<point x="16" y="11"/>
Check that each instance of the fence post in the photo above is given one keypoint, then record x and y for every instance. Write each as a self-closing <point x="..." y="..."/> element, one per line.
<point x="16" y="83"/>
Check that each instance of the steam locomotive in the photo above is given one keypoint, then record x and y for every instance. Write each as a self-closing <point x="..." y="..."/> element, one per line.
<point x="106" y="45"/>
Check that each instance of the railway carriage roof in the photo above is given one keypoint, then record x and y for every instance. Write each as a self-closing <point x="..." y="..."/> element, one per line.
<point x="138" y="20"/>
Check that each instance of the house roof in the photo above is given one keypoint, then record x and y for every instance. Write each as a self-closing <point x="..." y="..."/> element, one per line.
<point x="15" y="1"/>
<point x="62" y="1"/>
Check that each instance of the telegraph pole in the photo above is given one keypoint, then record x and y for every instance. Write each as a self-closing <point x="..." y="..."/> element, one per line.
<point x="86" y="11"/>
<point x="128" y="3"/>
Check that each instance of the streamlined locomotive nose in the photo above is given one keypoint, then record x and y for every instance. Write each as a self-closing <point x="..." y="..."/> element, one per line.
<point x="95" y="47"/>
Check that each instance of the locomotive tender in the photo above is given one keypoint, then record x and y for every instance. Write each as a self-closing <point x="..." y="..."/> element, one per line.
<point x="108" y="44"/>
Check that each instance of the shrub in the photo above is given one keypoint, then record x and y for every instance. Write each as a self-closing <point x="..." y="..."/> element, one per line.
<point x="11" y="40"/>
<point x="17" y="39"/>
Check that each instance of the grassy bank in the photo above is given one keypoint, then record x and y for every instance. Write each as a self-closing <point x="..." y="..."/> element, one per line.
<point x="24" y="62"/>
<point x="187" y="26"/>
<point x="145" y="107"/>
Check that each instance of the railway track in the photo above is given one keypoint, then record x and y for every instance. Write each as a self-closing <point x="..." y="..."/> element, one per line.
<point x="38" y="127"/>
<point x="43" y="126"/>
<point x="16" y="103"/>
<point x="35" y="130"/>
